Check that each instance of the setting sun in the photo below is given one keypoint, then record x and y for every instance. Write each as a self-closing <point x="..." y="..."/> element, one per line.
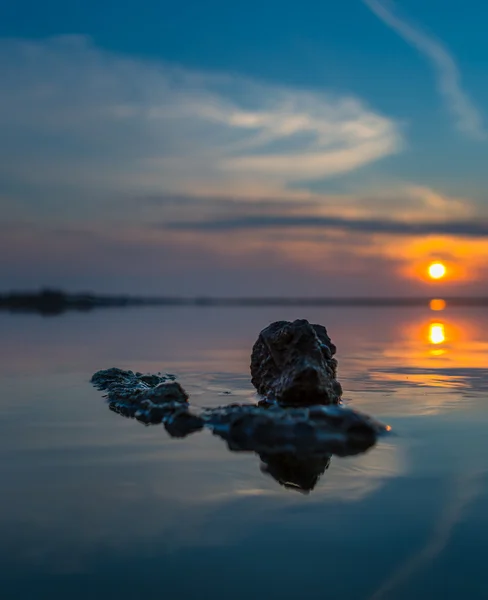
<point x="437" y="270"/>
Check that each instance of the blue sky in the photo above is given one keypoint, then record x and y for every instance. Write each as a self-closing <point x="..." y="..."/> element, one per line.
<point x="218" y="147"/>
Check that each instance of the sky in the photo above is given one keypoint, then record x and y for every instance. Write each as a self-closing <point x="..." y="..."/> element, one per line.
<point x="258" y="148"/>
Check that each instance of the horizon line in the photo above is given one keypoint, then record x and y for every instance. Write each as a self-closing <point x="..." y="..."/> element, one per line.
<point x="88" y="300"/>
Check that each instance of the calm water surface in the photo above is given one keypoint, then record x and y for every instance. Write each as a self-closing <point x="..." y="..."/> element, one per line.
<point x="94" y="505"/>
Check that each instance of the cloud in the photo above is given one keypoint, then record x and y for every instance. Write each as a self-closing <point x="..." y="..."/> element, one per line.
<point x="98" y="149"/>
<point x="83" y="123"/>
<point x="232" y="262"/>
<point x="384" y="226"/>
<point x="468" y="118"/>
<point x="145" y="261"/>
<point x="405" y="202"/>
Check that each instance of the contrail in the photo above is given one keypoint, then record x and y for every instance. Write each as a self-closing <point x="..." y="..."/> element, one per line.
<point x="468" y="118"/>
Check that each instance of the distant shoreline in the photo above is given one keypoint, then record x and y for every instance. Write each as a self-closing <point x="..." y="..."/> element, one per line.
<point x="53" y="302"/>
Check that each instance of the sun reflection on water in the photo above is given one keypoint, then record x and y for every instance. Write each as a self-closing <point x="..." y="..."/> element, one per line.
<point x="437" y="333"/>
<point x="452" y="342"/>
<point x="437" y="304"/>
<point x="447" y="355"/>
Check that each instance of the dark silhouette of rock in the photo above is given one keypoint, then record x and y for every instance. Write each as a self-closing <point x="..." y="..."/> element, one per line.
<point x="265" y="428"/>
<point x="309" y="430"/>
<point x="151" y="399"/>
<point x="292" y="363"/>
<point x="298" y="472"/>
<point x="139" y="389"/>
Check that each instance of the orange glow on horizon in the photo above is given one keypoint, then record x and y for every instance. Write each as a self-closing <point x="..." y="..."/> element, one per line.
<point x="437" y="270"/>
<point x="464" y="259"/>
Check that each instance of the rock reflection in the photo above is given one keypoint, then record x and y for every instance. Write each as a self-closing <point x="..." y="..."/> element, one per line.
<point x="295" y="446"/>
<point x="295" y="472"/>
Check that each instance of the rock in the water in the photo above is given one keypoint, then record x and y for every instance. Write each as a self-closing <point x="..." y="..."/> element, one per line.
<point x="292" y="363"/>
<point x="295" y="429"/>
<point x="311" y="430"/>
<point x="136" y="389"/>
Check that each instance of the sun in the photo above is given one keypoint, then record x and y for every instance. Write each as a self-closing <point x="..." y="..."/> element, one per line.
<point x="437" y="270"/>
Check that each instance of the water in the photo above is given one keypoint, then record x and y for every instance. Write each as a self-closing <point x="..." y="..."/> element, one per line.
<point x="96" y="505"/>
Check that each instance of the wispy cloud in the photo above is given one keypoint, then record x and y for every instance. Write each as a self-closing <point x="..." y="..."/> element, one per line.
<point x="80" y="120"/>
<point x="97" y="148"/>
<point x="404" y="202"/>
<point x="467" y="116"/>
<point x="384" y="226"/>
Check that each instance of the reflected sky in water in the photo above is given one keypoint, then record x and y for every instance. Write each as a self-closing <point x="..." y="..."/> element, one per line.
<point x="98" y="505"/>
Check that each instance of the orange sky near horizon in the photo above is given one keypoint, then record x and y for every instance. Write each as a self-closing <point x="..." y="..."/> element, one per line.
<point x="242" y="262"/>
